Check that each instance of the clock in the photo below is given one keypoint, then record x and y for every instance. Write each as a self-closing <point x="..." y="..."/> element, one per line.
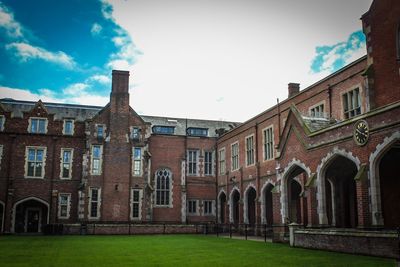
<point x="361" y="132"/>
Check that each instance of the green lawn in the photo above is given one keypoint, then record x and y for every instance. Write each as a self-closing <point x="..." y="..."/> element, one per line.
<point x="165" y="250"/>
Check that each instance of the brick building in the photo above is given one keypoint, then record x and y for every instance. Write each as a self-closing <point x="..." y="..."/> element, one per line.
<point x="325" y="157"/>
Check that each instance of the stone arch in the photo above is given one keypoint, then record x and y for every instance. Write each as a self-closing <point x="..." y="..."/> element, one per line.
<point x="231" y="203"/>
<point x="246" y="201"/>
<point x="25" y="200"/>
<point x="2" y="215"/>
<point x="221" y="206"/>
<point x="321" y="169"/>
<point x="266" y="185"/>
<point x="374" y="179"/>
<point x="283" y="185"/>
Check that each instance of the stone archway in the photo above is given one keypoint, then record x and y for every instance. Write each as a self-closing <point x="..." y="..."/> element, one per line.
<point x="293" y="200"/>
<point x="382" y="169"/>
<point x="267" y="204"/>
<point x="234" y="206"/>
<point x="342" y="167"/>
<point x="249" y="208"/>
<point x="222" y="207"/>
<point x="29" y="215"/>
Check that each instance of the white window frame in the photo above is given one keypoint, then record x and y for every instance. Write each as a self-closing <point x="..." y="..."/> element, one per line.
<point x="92" y="170"/>
<point x="170" y="191"/>
<point x="235" y="168"/>
<point x="70" y="163"/>
<point x="72" y="126"/>
<point x="270" y="127"/>
<point x="208" y="163"/>
<point x="37" y="118"/>
<point x="97" y="131"/>
<point x="197" y="208"/>
<point x="139" y="203"/>
<point x="222" y="162"/>
<point x="134" y="160"/>
<point x="43" y="162"/>
<point x="68" y="195"/>
<point x="98" y="203"/>
<point x="253" y="149"/>
<point x="317" y="107"/>
<point x="139" y="134"/>
<point x="212" y="212"/>
<point x="359" y="87"/>
<point x="195" y="162"/>
<point x="2" y="122"/>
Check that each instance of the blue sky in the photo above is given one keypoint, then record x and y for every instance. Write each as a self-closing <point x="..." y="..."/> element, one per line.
<point x="213" y="54"/>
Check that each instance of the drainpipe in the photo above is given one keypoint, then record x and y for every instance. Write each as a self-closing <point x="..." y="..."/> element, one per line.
<point x="279" y="117"/>
<point x="52" y="182"/>
<point x="330" y="100"/>
<point x="9" y="181"/>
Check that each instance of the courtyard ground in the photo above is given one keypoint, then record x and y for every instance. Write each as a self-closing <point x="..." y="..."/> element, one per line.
<point x="165" y="250"/>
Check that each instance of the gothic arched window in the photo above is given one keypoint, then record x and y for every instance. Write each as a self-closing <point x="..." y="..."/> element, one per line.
<point x="163" y="187"/>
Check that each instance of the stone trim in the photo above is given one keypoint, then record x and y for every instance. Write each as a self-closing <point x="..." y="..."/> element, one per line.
<point x="68" y="206"/>
<point x="62" y="162"/>
<point x="43" y="164"/>
<point x="72" y="129"/>
<point x="39" y="118"/>
<point x="140" y="204"/>
<point x="98" y="203"/>
<point x="222" y="191"/>
<point x="262" y="199"/>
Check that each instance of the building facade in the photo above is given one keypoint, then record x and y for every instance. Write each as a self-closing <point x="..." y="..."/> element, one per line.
<point x="326" y="156"/>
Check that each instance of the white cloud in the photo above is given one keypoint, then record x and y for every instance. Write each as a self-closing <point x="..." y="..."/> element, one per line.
<point x="96" y="29"/>
<point x="103" y="79"/>
<point x="23" y="94"/>
<point x="76" y="89"/>
<point x="12" y="27"/>
<point x="25" y="52"/>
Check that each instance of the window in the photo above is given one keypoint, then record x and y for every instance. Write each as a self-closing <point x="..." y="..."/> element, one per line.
<point x="2" y="121"/>
<point x="317" y="112"/>
<point x="208" y="207"/>
<point x="221" y="161"/>
<point x="197" y="131"/>
<point x="250" y="150"/>
<point x="235" y="156"/>
<point x="192" y="162"/>
<point x="94" y="202"/>
<point x="208" y="163"/>
<point x="66" y="163"/>
<point x="97" y="151"/>
<point x="352" y="103"/>
<point x="35" y="162"/>
<point x="163" y="129"/>
<point x="136" y="204"/>
<point x="192" y="206"/>
<point x="268" y="137"/>
<point x="163" y="187"/>
<point x="135" y="133"/>
<point x="100" y="131"/>
<point x="64" y="205"/>
<point x="68" y="127"/>
<point x="37" y="125"/>
<point x="137" y="161"/>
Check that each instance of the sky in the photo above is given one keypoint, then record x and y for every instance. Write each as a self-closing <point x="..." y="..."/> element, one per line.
<point x="205" y="59"/>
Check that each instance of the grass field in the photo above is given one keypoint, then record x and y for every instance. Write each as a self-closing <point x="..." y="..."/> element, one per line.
<point x="165" y="250"/>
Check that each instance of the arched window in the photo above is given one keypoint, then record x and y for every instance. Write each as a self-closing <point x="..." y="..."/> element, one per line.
<point x="163" y="187"/>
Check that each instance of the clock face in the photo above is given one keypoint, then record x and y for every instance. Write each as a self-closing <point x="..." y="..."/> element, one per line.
<point x="361" y="132"/>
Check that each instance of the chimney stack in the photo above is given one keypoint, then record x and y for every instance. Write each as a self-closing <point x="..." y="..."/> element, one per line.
<point x="293" y="89"/>
<point x="120" y="81"/>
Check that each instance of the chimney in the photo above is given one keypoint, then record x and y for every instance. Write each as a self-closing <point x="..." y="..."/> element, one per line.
<point x="120" y="81"/>
<point x="293" y="89"/>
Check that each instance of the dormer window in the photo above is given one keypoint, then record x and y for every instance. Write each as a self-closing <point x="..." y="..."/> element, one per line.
<point x="197" y="131"/>
<point x="100" y="131"/>
<point x="37" y="125"/>
<point x="163" y="129"/>
<point x="2" y="121"/>
<point x="68" y="127"/>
